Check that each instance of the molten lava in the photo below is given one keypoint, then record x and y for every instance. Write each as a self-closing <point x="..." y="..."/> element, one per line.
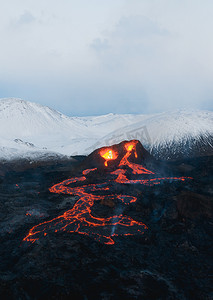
<point x="80" y="219"/>
<point x="108" y="154"/>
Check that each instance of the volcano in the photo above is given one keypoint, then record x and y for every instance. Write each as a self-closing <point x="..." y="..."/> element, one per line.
<point x="110" y="168"/>
<point x="112" y="156"/>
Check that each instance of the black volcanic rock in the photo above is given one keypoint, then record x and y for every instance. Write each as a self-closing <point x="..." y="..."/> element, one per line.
<point x="193" y="205"/>
<point x="171" y="260"/>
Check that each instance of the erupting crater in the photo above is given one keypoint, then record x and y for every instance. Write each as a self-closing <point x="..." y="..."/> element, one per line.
<point x="120" y="164"/>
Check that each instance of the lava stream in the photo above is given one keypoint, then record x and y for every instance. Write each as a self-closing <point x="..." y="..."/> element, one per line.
<point x="79" y="219"/>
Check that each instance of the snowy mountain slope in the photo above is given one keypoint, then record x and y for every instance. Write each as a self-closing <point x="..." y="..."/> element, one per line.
<point x="19" y="117"/>
<point x="31" y="129"/>
<point x="105" y="124"/>
<point x="171" y="134"/>
<point x="27" y="127"/>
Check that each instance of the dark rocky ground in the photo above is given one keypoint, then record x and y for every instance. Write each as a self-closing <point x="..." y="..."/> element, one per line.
<point x="172" y="260"/>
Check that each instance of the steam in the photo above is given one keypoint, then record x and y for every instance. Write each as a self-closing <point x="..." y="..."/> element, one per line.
<point x="118" y="211"/>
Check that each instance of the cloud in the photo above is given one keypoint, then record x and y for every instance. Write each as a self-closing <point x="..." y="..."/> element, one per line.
<point x="90" y="57"/>
<point x="137" y="27"/>
<point x="100" y="45"/>
<point x="155" y="63"/>
<point x="25" y="18"/>
<point x="129" y="32"/>
<point x="134" y="38"/>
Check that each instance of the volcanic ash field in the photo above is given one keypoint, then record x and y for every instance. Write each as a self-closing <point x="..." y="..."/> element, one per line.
<point x="114" y="225"/>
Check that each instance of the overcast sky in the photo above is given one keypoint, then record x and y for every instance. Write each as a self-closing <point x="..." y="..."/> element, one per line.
<point x="88" y="57"/>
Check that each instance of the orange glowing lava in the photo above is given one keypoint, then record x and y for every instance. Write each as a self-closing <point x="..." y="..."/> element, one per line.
<point x="79" y="218"/>
<point x="129" y="147"/>
<point x="108" y="154"/>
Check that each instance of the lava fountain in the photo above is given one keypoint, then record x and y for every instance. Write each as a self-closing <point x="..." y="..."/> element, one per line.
<point x="120" y="167"/>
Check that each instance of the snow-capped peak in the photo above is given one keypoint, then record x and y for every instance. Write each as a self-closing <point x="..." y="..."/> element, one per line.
<point x="27" y="127"/>
<point x="25" y="119"/>
<point x="166" y="130"/>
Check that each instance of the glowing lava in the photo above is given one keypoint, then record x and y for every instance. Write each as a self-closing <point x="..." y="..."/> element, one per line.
<point x="108" y="154"/>
<point x="79" y="219"/>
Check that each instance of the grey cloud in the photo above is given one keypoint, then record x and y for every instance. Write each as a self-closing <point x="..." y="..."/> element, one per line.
<point x="129" y="28"/>
<point x="137" y="27"/>
<point x="24" y="19"/>
<point x="146" y="57"/>
<point x="100" y="44"/>
<point x="131" y="32"/>
<point x="116" y="56"/>
<point x="133" y="36"/>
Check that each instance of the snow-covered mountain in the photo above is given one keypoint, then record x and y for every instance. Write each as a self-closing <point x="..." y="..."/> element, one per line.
<point x="29" y="129"/>
<point x="32" y="130"/>
<point x="170" y="135"/>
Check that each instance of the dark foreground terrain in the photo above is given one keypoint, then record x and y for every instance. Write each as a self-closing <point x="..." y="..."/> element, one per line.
<point x="171" y="260"/>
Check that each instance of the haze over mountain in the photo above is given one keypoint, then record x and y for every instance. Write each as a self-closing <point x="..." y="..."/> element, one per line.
<point x="32" y="130"/>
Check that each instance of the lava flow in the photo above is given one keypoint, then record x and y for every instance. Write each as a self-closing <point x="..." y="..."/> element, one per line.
<point x="80" y="219"/>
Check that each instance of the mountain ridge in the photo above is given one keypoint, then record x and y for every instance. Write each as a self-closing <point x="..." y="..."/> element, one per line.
<point x="27" y="128"/>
